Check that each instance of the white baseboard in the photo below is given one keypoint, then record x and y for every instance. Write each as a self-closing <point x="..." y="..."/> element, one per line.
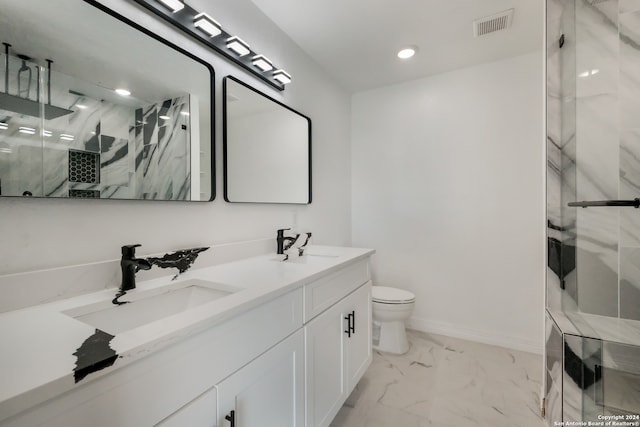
<point x="448" y="329"/>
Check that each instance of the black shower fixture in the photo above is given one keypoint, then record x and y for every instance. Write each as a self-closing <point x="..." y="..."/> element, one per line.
<point x="22" y="102"/>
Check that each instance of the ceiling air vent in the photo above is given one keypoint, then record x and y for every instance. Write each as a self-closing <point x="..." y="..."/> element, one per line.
<point x="490" y="24"/>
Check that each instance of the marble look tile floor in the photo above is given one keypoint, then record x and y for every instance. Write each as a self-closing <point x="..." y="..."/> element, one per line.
<point x="445" y="381"/>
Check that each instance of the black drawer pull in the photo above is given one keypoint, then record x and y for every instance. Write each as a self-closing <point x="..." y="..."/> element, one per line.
<point x="353" y="322"/>
<point x="348" y="330"/>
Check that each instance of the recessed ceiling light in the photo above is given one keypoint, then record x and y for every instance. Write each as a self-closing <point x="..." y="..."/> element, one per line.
<point x="184" y="113"/>
<point x="407" y="52"/>
<point x="4" y="126"/>
<point x="27" y="130"/>
<point x="165" y="117"/>
<point x="46" y="132"/>
<point x="589" y="73"/>
<point x="82" y="106"/>
<point x="123" y="92"/>
<point x="67" y="137"/>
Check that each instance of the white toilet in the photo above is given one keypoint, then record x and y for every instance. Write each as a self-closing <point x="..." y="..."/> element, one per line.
<point x="391" y="308"/>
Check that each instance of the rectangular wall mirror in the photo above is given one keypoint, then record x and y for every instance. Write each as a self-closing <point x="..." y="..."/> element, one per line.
<point x="267" y="148"/>
<point x="119" y="113"/>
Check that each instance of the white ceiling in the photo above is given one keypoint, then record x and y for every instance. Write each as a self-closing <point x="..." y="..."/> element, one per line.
<point x="356" y="40"/>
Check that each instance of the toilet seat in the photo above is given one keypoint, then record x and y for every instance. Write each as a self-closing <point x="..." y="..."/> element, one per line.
<point x="387" y="295"/>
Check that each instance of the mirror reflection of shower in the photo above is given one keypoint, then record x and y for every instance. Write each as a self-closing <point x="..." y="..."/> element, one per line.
<point x="25" y="98"/>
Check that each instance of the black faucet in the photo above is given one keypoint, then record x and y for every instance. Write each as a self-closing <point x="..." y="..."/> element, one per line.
<point x="130" y="266"/>
<point x="281" y="239"/>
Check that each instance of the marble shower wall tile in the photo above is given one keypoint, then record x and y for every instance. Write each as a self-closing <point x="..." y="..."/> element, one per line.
<point x="621" y="378"/>
<point x="553" y="372"/>
<point x="630" y="283"/>
<point x="629" y="63"/>
<point x="597" y="261"/>
<point x="572" y="379"/>
<point x="56" y="169"/>
<point x="553" y="349"/>
<point x="597" y="154"/>
<point x="174" y="145"/>
<point x="629" y="5"/>
<point x="114" y="161"/>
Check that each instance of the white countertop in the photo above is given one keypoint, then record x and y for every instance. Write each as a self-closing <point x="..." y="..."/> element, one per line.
<point x="37" y="361"/>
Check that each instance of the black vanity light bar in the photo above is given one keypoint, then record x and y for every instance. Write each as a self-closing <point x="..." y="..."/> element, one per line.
<point x="206" y="30"/>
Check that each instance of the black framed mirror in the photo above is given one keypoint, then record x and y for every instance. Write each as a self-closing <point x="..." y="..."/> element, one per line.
<point x="267" y="148"/>
<point x="119" y="113"/>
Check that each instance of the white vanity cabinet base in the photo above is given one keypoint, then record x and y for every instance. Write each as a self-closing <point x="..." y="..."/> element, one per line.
<point x="146" y="392"/>
<point x="267" y="392"/>
<point x="335" y="359"/>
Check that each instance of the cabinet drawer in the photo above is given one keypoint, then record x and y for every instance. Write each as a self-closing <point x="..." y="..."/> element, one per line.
<point x="328" y="290"/>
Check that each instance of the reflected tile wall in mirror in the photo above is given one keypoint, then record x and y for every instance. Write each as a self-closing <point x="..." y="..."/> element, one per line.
<point x="84" y="114"/>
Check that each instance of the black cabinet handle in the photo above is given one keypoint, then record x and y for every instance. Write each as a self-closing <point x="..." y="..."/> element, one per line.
<point x="348" y="319"/>
<point x="231" y="418"/>
<point x="353" y="322"/>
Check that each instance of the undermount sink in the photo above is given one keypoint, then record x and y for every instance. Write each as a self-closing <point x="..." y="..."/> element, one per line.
<point x="144" y="307"/>
<point x="305" y="259"/>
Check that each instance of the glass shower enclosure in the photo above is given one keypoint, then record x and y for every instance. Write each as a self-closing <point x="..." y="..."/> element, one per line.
<point x="592" y="318"/>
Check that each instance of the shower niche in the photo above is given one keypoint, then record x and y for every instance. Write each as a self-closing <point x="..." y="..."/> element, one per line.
<point x="93" y="106"/>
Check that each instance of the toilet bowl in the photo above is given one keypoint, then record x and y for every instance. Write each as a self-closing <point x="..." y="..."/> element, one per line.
<point x="391" y="308"/>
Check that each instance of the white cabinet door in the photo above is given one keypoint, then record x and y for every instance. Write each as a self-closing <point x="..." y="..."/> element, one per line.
<point x="268" y="392"/>
<point x="358" y="342"/>
<point x="200" y="412"/>
<point x="337" y="353"/>
<point x="324" y="365"/>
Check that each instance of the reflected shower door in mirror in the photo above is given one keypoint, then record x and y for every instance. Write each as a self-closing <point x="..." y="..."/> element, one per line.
<point x="267" y="148"/>
<point x="119" y="113"/>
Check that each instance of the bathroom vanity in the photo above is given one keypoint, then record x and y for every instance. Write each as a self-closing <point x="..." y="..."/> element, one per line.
<point x="273" y="344"/>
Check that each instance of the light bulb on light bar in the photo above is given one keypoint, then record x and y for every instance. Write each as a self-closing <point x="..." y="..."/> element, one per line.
<point x="207" y="24"/>
<point x="174" y="5"/>
<point x="27" y="130"/>
<point x="238" y="45"/>
<point x="262" y="62"/>
<point x="67" y="137"/>
<point x="282" y="76"/>
<point x="4" y="126"/>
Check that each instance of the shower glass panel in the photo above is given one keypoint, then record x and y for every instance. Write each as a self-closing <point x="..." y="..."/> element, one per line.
<point x="593" y="234"/>
<point x="21" y="141"/>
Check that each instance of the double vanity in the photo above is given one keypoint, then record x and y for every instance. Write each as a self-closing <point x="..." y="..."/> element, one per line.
<point x="255" y="342"/>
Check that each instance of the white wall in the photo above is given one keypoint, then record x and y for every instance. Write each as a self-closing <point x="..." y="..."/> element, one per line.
<point x="39" y="233"/>
<point x="448" y="176"/>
